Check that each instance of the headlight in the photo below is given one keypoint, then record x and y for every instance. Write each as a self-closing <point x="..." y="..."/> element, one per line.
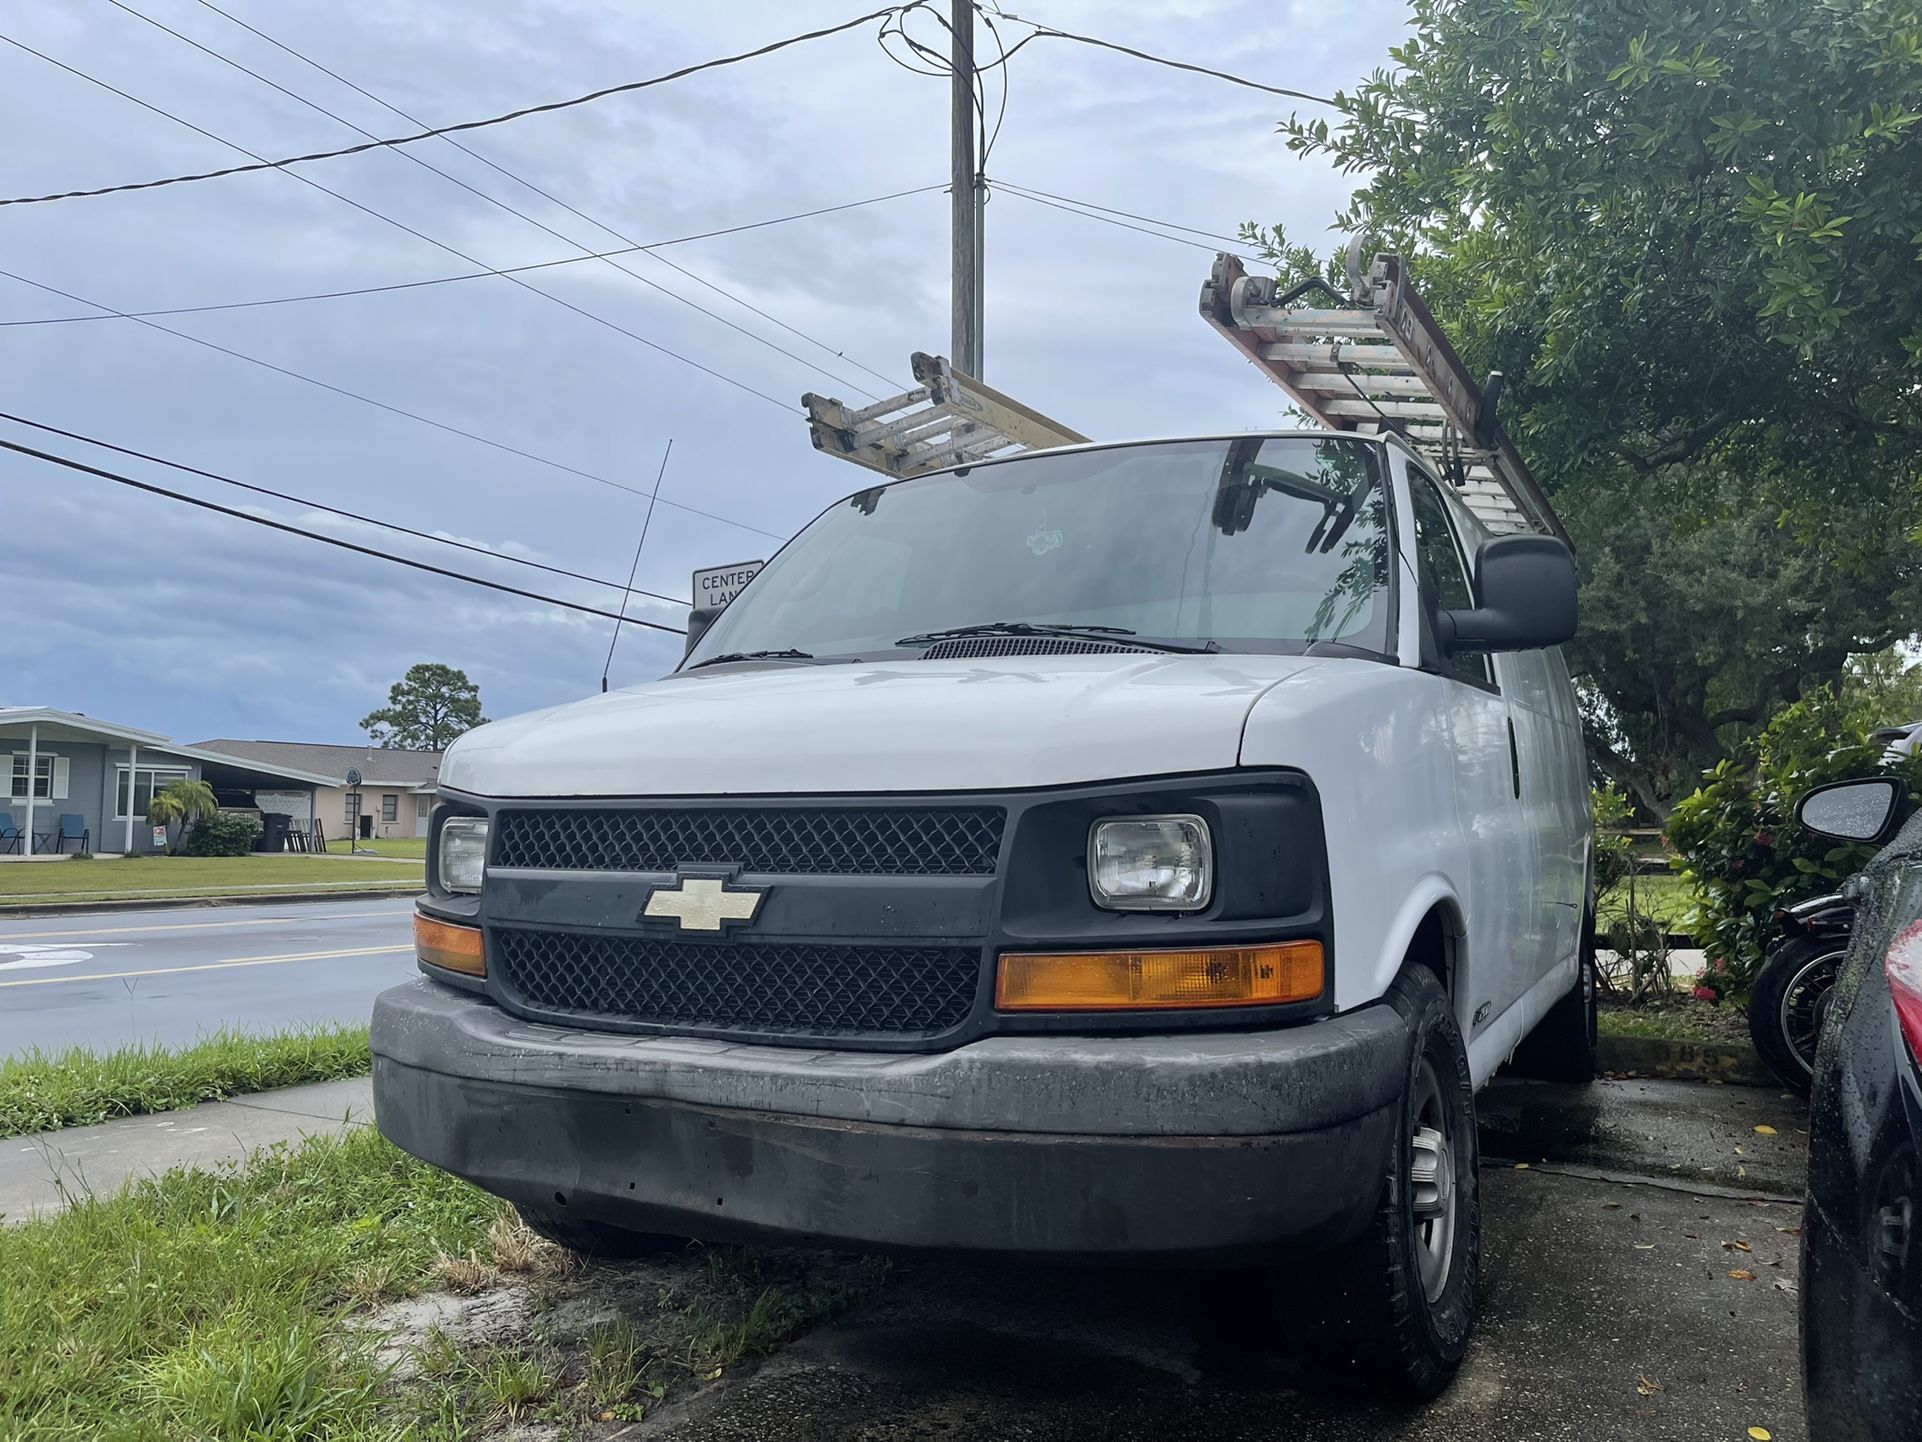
<point x="463" y="853"/>
<point x="1151" y="863"/>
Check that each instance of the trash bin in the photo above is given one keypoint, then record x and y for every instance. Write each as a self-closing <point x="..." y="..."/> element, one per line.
<point x="273" y="830"/>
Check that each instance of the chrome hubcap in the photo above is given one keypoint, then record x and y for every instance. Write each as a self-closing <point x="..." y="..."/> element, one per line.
<point x="1432" y="1190"/>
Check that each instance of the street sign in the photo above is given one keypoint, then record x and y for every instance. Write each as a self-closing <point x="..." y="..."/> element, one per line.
<point x="716" y="586"/>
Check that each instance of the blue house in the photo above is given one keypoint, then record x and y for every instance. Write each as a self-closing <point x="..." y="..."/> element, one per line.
<point x="65" y="765"/>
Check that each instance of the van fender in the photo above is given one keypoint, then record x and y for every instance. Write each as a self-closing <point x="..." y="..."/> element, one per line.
<point x="1429" y="891"/>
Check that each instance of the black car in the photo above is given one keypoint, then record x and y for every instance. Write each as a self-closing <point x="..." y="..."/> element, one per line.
<point x="1862" y="1231"/>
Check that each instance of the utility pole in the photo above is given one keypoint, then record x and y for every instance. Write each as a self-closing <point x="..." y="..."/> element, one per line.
<point x="967" y="184"/>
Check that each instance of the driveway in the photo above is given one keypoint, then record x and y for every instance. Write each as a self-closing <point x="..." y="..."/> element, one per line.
<point x="170" y="975"/>
<point x="1609" y="1312"/>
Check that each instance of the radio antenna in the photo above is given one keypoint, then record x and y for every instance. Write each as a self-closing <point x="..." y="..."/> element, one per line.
<point x="633" y="570"/>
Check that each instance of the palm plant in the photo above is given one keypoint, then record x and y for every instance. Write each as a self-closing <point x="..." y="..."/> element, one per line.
<point x="184" y="802"/>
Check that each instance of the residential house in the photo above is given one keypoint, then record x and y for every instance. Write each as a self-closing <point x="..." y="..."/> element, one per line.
<point x="396" y="791"/>
<point x="56" y="764"/>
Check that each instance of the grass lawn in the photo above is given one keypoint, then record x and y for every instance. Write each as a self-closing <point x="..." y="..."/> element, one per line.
<point x="1677" y="1019"/>
<point x="407" y="846"/>
<point x="160" y="877"/>
<point x="1658" y="894"/>
<point x="41" y="1092"/>
<point x="260" y="1305"/>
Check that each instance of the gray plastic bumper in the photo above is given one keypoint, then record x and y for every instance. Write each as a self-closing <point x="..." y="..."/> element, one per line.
<point x="1171" y="1145"/>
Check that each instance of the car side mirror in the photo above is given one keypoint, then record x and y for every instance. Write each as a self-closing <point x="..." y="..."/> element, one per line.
<point x="1525" y="598"/>
<point x="1867" y="810"/>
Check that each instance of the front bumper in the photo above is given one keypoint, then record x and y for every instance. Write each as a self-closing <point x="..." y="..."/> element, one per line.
<point x="1187" y="1146"/>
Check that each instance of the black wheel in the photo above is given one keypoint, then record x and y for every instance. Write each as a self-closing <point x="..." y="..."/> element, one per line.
<point x="596" y="1239"/>
<point x="1788" y="1002"/>
<point x="1391" y="1311"/>
<point x="1561" y="1048"/>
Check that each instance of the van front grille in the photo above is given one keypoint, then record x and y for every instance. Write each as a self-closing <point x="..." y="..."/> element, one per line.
<point x="791" y="840"/>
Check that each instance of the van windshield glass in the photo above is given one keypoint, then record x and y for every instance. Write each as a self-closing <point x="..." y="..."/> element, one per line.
<point x="1257" y="543"/>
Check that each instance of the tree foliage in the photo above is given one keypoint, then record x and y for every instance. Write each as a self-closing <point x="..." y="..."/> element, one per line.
<point x="426" y="709"/>
<point x="181" y="803"/>
<point x="1688" y="236"/>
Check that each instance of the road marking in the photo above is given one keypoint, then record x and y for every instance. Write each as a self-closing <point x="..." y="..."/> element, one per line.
<point x="186" y="926"/>
<point x="211" y="965"/>
<point x="24" y="957"/>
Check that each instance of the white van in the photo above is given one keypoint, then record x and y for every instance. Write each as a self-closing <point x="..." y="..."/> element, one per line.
<point x="1126" y="851"/>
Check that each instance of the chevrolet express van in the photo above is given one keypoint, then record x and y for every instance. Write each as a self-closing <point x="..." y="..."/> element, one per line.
<point x="1131" y="851"/>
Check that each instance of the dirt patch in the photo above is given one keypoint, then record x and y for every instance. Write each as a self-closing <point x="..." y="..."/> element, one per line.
<point x="525" y="1341"/>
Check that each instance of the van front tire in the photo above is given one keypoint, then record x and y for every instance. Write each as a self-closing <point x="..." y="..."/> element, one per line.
<point x="1391" y="1311"/>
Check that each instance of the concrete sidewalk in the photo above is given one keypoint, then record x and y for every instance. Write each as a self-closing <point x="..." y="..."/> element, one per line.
<point x="40" y="1174"/>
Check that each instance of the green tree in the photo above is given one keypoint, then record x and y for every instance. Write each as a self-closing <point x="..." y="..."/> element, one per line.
<point x="1688" y="237"/>
<point x="1886" y="686"/>
<point x="426" y="709"/>
<point x="181" y="804"/>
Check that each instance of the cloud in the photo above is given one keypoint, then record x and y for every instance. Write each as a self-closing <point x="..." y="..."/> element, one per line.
<point x="148" y="613"/>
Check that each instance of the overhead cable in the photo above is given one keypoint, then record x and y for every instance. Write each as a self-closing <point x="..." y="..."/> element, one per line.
<point x="466" y="125"/>
<point x="390" y="408"/>
<point x="324" y="539"/>
<point x="345" y="514"/>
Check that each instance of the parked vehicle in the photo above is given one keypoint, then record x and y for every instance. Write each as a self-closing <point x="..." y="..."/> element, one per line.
<point x="1791" y="992"/>
<point x="1137" y="851"/>
<point x="1862" y="1228"/>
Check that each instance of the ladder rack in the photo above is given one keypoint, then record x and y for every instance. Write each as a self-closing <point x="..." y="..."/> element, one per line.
<point x="1378" y="363"/>
<point x="949" y="419"/>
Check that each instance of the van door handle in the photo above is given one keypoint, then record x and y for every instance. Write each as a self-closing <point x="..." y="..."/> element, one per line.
<point x="1514" y="760"/>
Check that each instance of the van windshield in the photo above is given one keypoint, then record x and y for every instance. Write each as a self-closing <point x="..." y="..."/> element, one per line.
<point x="1253" y="544"/>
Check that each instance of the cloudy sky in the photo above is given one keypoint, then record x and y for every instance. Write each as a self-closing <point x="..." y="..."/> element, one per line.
<point x="148" y="612"/>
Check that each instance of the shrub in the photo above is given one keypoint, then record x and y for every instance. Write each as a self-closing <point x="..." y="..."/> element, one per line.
<point x="226" y="833"/>
<point x="1744" y="855"/>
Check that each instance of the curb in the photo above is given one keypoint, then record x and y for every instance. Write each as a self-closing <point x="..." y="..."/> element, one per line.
<point x="170" y="903"/>
<point x="1712" y="1061"/>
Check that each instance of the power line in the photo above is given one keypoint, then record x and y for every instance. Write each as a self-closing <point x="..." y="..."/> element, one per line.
<point x="429" y="134"/>
<point x="473" y="190"/>
<point x="394" y="526"/>
<point x="325" y="539"/>
<point x="1035" y="199"/>
<point x="472" y="274"/>
<point x="1048" y="32"/>
<point x="382" y="405"/>
<point x="410" y="230"/>
<point x="1031" y="192"/>
<point x="546" y="195"/>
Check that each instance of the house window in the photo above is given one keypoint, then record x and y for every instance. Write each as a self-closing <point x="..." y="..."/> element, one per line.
<point x="390" y="807"/>
<point x="145" y="780"/>
<point x="423" y="807"/>
<point x="49" y="777"/>
<point x="350" y="808"/>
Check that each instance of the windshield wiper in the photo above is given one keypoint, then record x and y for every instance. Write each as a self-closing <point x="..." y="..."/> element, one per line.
<point x="1034" y="628"/>
<point x="781" y="655"/>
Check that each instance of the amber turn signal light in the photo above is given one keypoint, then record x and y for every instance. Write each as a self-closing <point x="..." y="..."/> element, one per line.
<point x="1159" y="980"/>
<point x="450" y="947"/>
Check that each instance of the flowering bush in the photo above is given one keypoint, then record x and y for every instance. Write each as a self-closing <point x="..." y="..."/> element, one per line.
<point x="1743" y="854"/>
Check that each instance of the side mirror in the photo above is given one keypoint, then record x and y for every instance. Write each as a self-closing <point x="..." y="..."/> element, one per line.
<point x="1867" y="810"/>
<point x="697" y="624"/>
<point x="1525" y="589"/>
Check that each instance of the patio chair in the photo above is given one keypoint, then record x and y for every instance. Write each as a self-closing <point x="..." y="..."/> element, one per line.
<point x="73" y="827"/>
<point x="9" y="833"/>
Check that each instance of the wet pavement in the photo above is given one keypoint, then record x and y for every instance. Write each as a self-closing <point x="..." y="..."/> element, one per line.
<point x="1638" y="1282"/>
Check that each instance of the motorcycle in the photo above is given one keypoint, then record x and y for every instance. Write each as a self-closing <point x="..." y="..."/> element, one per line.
<point x="1791" y="992"/>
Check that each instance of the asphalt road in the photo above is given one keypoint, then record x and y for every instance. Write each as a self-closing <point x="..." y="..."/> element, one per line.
<point x="1609" y="1311"/>
<point x="172" y="975"/>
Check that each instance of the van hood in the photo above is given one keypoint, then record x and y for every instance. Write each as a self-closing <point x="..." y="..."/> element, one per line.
<point x="913" y="725"/>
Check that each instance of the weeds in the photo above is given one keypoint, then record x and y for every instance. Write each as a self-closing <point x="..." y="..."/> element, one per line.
<point x="43" y="1091"/>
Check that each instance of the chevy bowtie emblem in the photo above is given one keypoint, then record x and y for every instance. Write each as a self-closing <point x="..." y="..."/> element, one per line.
<point x="702" y="903"/>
